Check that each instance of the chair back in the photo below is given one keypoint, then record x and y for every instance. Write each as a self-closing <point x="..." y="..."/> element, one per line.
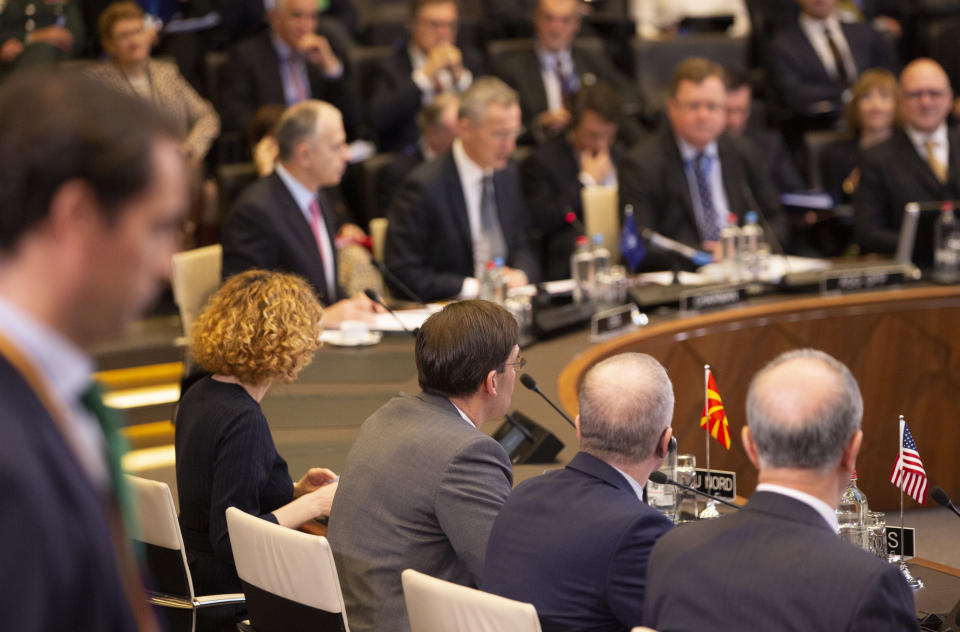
<point x="288" y="577"/>
<point x="601" y="214"/>
<point x="378" y="235"/>
<point x="196" y="275"/>
<point x="157" y="463"/>
<point x="159" y="531"/>
<point x="435" y="605"/>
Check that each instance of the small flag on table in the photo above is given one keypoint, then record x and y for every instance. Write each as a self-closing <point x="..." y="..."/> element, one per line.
<point x="908" y="473"/>
<point x="631" y="246"/>
<point x="714" y="417"/>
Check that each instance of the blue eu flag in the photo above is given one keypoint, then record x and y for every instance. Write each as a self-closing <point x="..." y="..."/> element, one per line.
<point x="631" y="246"/>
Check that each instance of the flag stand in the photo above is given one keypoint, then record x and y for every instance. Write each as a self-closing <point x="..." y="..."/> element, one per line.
<point x="914" y="582"/>
<point x="710" y="511"/>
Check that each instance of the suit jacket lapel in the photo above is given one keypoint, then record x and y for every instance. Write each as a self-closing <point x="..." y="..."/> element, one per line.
<point x="272" y="61"/>
<point x="537" y="91"/>
<point x="677" y="172"/>
<point x="732" y="175"/>
<point x="806" y="49"/>
<point x="918" y="164"/>
<point x="457" y="203"/>
<point x="296" y="224"/>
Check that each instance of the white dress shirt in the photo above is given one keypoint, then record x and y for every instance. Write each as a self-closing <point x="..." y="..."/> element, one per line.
<point x="714" y="179"/>
<point x="304" y="197"/>
<point x="826" y="512"/>
<point x="654" y="16"/>
<point x="548" y="71"/>
<point x="940" y="139"/>
<point x="448" y="84"/>
<point x="634" y="485"/>
<point x="66" y="370"/>
<point x="471" y="182"/>
<point x="814" y="30"/>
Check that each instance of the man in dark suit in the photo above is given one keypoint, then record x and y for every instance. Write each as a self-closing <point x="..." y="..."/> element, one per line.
<point x="778" y="563"/>
<point x="465" y="208"/>
<point x="423" y="483"/>
<point x="428" y="64"/>
<point x="814" y="62"/>
<point x="589" y="574"/>
<point x="286" y="64"/>
<point x="548" y="75"/>
<point x="918" y="163"/>
<point x="554" y="176"/>
<point x="687" y="181"/>
<point x="91" y="217"/>
<point x="437" y="122"/>
<point x="285" y="222"/>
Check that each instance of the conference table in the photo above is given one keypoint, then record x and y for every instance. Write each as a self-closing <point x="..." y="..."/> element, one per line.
<point x="903" y="346"/>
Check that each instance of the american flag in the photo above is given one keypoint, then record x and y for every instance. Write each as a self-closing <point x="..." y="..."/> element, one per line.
<point x="908" y="473"/>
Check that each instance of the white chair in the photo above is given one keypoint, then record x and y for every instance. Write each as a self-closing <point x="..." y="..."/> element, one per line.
<point x="166" y="557"/>
<point x="156" y="464"/>
<point x="601" y="214"/>
<point x="289" y="577"/>
<point x="196" y="275"/>
<point x="435" y="605"/>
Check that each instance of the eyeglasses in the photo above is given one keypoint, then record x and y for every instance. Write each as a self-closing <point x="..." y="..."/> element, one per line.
<point x="709" y="106"/>
<point x="916" y="95"/>
<point x="519" y="364"/>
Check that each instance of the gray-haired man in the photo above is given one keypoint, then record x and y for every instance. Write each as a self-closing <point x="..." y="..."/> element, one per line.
<point x="778" y="564"/>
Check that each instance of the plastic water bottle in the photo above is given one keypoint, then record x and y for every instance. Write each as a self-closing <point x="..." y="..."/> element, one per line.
<point x="946" y="247"/>
<point x="493" y="284"/>
<point x="601" y="256"/>
<point x="664" y="498"/>
<point x="730" y="241"/>
<point x="852" y="515"/>
<point x="581" y="267"/>
<point x="751" y="236"/>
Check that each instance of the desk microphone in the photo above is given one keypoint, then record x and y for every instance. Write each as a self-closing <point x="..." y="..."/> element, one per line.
<point x="698" y="257"/>
<point x="373" y="296"/>
<point x="527" y="380"/>
<point x="660" y="478"/>
<point x="941" y="497"/>
<point x="400" y="285"/>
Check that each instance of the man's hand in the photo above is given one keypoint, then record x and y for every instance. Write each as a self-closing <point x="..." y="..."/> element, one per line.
<point x="444" y="56"/>
<point x="317" y="50"/>
<point x="554" y="121"/>
<point x="515" y="277"/>
<point x="315" y="478"/>
<point x="352" y="232"/>
<point x="598" y="165"/>
<point x="55" y="36"/>
<point x="358" y="307"/>
<point x="713" y="247"/>
<point x="10" y="50"/>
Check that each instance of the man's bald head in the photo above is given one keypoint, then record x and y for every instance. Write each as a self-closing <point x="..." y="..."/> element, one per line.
<point x="802" y="410"/>
<point x="626" y="402"/>
<point x="927" y="97"/>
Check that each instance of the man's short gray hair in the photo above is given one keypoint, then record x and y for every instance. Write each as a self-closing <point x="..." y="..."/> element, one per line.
<point x="626" y="402"/>
<point x="431" y="115"/>
<point x="816" y="439"/>
<point x="299" y="123"/>
<point x="483" y="92"/>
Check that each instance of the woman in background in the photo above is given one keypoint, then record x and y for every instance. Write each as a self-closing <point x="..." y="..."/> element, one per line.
<point x="259" y="328"/>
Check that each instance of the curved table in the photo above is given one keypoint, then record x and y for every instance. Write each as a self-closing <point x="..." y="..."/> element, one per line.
<point x="903" y="346"/>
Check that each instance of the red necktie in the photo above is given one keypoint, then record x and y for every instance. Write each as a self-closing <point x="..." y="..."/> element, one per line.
<point x="316" y="223"/>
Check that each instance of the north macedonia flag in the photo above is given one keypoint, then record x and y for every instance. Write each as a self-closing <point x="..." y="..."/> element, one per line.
<point x="714" y="417"/>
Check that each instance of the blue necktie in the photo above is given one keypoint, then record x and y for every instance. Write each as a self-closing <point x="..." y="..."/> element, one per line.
<point x="707" y="213"/>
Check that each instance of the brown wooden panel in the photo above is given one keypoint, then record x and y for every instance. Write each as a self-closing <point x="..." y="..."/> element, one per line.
<point x="903" y="346"/>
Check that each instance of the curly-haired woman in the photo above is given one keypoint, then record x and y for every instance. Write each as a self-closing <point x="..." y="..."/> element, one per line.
<point x="259" y="328"/>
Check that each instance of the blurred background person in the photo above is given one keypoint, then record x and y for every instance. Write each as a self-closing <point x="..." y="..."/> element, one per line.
<point x="871" y="116"/>
<point x="225" y="453"/>
<point x="657" y="19"/>
<point x="126" y="39"/>
<point x="33" y="32"/>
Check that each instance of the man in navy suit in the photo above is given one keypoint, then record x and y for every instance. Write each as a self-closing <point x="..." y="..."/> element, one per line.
<point x="778" y="564"/>
<point x="575" y="542"/>
<point x="285" y="222"/>
<point x="286" y="64"/>
<point x="816" y="61"/>
<point x="465" y="208"/>
<point x="92" y="198"/>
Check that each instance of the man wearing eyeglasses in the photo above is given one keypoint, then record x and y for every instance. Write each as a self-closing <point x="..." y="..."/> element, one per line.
<point x="686" y="181"/>
<point x="422" y="484"/>
<point x="428" y="64"/>
<point x="575" y="541"/>
<point x="918" y="163"/>
<point x="465" y="208"/>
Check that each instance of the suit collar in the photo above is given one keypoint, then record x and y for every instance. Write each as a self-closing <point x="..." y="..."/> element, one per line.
<point x="905" y="149"/>
<point x="591" y="465"/>
<point x="445" y="405"/>
<point x="784" y="507"/>
<point x="455" y="199"/>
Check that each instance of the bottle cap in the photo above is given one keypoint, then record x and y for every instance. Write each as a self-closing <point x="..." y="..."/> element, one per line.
<point x="581" y="240"/>
<point x="732" y="219"/>
<point x="750" y="217"/>
<point x="598" y="239"/>
<point x="498" y="261"/>
<point x="491" y="265"/>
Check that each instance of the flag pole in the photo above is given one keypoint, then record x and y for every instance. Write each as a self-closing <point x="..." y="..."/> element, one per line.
<point x="706" y="408"/>
<point x="914" y="582"/>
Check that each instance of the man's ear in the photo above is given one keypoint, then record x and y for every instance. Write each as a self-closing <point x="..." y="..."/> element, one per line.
<point x="750" y="447"/>
<point x="491" y="383"/>
<point x="663" y="446"/>
<point x="848" y="460"/>
<point x="576" y="424"/>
